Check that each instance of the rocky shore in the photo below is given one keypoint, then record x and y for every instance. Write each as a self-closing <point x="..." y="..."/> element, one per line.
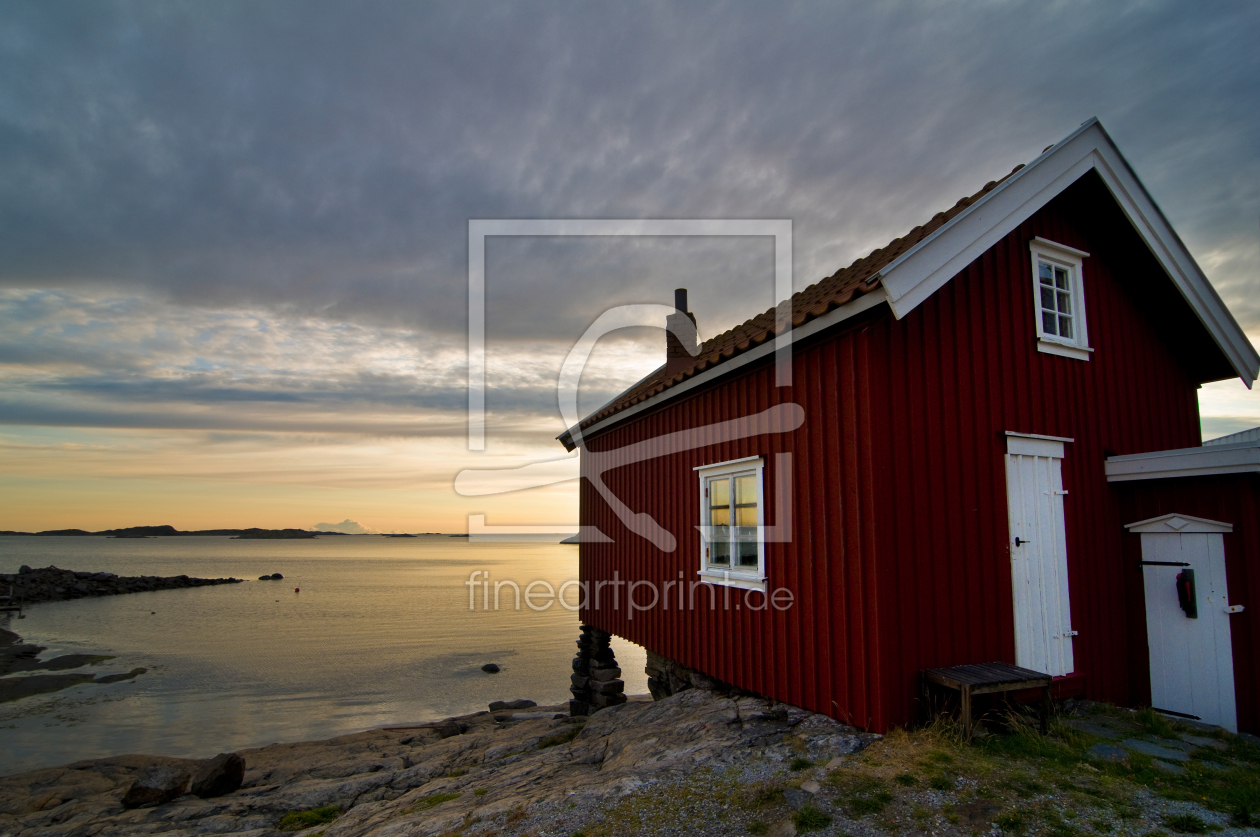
<point x="698" y="762"/>
<point x="512" y="771"/>
<point x="51" y="584"/>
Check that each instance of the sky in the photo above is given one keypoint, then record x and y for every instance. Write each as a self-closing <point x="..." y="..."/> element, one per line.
<point x="234" y="235"/>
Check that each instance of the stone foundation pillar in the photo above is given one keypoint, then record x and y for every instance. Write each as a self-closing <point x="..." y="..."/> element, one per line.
<point x="596" y="676"/>
<point x="666" y="677"/>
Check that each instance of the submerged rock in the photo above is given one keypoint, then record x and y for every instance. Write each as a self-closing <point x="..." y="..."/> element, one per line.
<point x="491" y="668"/>
<point x="500" y="705"/>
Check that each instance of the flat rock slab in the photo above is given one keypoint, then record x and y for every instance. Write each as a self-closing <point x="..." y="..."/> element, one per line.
<point x="1201" y="741"/>
<point x="1093" y="729"/>
<point x="1155" y="750"/>
<point x="1170" y="768"/>
<point x="1109" y="752"/>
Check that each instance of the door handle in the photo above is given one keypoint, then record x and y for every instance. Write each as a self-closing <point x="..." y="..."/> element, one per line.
<point x="1235" y="609"/>
<point x="1020" y="542"/>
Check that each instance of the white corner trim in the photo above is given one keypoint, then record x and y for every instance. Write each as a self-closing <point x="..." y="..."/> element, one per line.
<point x="1179" y="524"/>
<point x="1052" y="347"/>
<point x="732" y="580"/>
<point x="1240" y="458"/>
<point x="718" y="466"/>
<point x="925" y="268"/>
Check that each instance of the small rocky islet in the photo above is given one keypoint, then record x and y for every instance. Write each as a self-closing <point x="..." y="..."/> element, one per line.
<point x="52" y="584"/>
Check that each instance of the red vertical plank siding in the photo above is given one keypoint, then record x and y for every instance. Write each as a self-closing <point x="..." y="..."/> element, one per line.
<point x="969" y="357"/>
<point x="900" y="559"/>
<point x="1229" y="498"/>
<point x="817" y="653"/>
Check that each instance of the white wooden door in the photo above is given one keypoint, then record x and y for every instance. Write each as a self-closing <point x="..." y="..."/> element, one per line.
<point x="1192" y="664"/>
<point x="1043" y="613"/>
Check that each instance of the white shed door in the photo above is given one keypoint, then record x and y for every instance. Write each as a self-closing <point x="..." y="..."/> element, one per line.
<point x="1192" y="663"/>
<point x="1043" y="614"/>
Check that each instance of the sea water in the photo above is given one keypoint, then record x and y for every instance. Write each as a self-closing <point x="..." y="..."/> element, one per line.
<point x="384" y="631"/>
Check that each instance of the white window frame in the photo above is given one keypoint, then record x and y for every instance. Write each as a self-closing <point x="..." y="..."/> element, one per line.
<point x="1073" y="260"/>
<point x="747" y="578"/>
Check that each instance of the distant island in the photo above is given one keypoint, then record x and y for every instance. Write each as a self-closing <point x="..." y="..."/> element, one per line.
<point x="253" y="533"/>
<point x="171" y="531"/>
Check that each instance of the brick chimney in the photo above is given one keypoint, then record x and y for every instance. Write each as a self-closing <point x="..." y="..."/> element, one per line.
<point x="681" y="342"/>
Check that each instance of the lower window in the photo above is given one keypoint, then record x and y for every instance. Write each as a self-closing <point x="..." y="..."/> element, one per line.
<point x="732" y="546"/>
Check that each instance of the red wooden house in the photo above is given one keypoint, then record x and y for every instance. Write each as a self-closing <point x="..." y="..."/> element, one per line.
<point x="989" y="450"/>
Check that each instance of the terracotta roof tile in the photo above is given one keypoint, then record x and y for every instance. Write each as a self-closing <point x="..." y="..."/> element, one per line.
<point x="838" y="289"/>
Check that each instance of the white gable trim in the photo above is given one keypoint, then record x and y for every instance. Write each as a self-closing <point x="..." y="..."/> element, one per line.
<point x="1240" y="458"/>
<point x="925" y="268"/>
<point x="1179" y="524"/>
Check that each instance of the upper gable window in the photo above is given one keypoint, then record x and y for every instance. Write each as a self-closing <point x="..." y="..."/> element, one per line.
<point x="1059" y="289"/>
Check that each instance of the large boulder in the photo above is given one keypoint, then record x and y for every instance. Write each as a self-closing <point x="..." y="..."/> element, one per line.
<point x="220" y="775"/>
<point x="155" y="785"/>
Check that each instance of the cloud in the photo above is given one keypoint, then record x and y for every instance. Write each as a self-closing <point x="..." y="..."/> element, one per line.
<point x="324" y="158"/>
<point x="242" y="224"/>
<point x="346" y="527"/>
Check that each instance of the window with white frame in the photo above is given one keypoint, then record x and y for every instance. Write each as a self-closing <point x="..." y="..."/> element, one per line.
<point x="732" y="524"/>
<point x="1058" y="287"/>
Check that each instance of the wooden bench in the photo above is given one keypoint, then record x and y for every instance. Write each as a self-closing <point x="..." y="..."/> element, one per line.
<point x="986" y="679"/>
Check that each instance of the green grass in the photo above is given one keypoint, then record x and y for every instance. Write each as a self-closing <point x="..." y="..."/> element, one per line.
<point x="906" y="780"/>
<point x="941" y="782"/>
<point x="766" y="793"/>
<point x="1011" y="822"/>
<point x="1188" y="824"/>
<point x="810" y="818"/>
<point x="862" y="793"/>
<point x="456" y="773"/>
<point x="800" y="764"/>
<point x="758" y="828"/>
<point x="480" y="792"/>
<point x="433" y="800"/>
<point x="297" y="820"/>
<point x="1152" y="722"/>
<point x="1013" y="763"/>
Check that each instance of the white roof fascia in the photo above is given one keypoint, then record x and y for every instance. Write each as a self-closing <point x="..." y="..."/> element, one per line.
<point x="1240" y="458"/>
<point x="925" y="268"/>
<point x="832" y="317"/>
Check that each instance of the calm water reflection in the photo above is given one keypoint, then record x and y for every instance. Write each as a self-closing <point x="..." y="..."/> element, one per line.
<point x="380" y="633"/>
